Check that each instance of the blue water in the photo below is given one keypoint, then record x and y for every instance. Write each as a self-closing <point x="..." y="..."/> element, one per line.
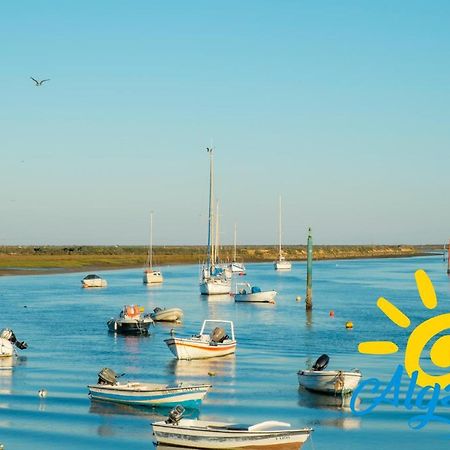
<point x="65" y="327"/>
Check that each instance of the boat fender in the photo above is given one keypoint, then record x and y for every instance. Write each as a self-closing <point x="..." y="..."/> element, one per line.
<point x="321" y="363"/>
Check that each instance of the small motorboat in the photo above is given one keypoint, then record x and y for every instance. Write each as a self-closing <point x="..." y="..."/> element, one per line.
<point x="146" y="394"/>
<point x="92" y="280"/>
<point x="245" y="292"/>
<point x="205" y="434"/>
<point x="205" y="344"/>
<point x="328" y="381"/>
<point x="167" y="314"/>
<point x="9" y="342"/>
<point x="131" y="320"/>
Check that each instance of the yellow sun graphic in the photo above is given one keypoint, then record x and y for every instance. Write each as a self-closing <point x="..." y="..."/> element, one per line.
<point x="419" y="337"/>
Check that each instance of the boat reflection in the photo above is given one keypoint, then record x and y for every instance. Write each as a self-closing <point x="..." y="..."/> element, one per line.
<point x="151" y="413"/>
<point x="218" y="298"/>
<point x="309" y="399"/>
<point x="225" y="366"/>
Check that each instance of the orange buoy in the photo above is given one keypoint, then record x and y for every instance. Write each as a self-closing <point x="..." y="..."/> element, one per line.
<point x="331" y="313"/>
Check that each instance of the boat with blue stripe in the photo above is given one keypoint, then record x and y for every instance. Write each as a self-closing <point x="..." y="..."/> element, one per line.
<point x="146" y="394"/>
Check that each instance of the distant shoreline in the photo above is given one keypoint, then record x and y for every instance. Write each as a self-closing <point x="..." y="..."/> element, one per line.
<point x="46" y="260"/>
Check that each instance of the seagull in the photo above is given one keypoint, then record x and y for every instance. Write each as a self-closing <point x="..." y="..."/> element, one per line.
<point x="39" y="82"/>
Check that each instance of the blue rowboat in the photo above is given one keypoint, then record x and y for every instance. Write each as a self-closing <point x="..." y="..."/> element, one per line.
<point x="147" y="394"/>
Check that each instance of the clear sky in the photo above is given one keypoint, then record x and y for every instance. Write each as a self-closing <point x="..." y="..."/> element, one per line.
<point x="342" y="107"/>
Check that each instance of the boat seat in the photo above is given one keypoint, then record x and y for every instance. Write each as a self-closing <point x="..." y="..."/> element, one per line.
<point x="233" y="426"/>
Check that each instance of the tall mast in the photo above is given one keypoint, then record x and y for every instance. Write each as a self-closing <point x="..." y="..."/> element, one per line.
<point x="151" y="240"/>
<point x="210" y="208"/>
<point x="279" y="228"/>
<point x="234" y="251"/>
<point x="217" y="235"/>
<point x="448" y="258"/>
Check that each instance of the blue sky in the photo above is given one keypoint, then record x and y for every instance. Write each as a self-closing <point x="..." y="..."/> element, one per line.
<point x="341" y="107"/>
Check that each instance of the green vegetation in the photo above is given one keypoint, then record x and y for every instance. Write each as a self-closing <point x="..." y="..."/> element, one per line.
<point x="16" y="259"/>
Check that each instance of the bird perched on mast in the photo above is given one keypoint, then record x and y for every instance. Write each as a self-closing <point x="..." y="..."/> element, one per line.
<point x="39" y="82"/>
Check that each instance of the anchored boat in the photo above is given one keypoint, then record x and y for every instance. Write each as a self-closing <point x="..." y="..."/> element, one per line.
<point x="205" y="344"/>
<point x="167" y="314"/>
<point x="151" y="275"/>
<point x="245" y="292"/>
<point x="8" y="343"/>
<point x="203" y="434"/>
<point x="92" y="280"/>
<point x="146" y="394"/>
<point x="329" y="381"/>
<point x="131" y="320"/>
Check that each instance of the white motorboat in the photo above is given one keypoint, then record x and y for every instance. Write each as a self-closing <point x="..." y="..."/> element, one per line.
<point x="131" y="320"/>
<point x="281" y="263"/>
<point x="146" y="394"/>
<point x="151" y="276"/>
<point x="92" y="280"/>
<point x="213" y="280"/>
<point x="329" y="381"/>
<point x="212" y="341"/>
<point x="167" y="314"/>
<point x="8" y="343"/>
<point x="245" y="292"/>
<point x="204" y="434"/>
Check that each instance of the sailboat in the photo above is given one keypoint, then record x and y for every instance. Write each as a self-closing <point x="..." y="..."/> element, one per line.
<point x="281" y="263"/>
<point x="151" y="276"/>
<point x="213" y="279"/>
<point x="235" y="266"/>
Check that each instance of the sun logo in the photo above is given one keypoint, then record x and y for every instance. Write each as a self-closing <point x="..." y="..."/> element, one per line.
<point x="419" y="337"/>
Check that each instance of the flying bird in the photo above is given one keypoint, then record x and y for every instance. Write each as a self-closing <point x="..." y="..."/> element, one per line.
<point x="39" y="82"/>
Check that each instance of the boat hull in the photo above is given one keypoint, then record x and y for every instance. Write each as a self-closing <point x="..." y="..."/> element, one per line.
<point x="196" y="349"/>
<point x="167" y="315"/>
<point x="329" y="382"/>
<point x="6" y="348"/>
<point x="129" y="326"/>
<point x="152" y="277"/>
<point x="215" y="435"/>
<point x="282" y="265"/>
<point x="257" y="297"/>
<point x="215" y="286"/>
<point x="237" y="268"/>
<point x="150" y="395"/>
<point x="99" y="283"/>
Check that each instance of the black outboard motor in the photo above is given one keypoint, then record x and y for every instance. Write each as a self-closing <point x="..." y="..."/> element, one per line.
<point x="321" y="363"/>
<point x="175" y="415"/>
<point x="9" y="335"/>
<point x="107" y="376"/>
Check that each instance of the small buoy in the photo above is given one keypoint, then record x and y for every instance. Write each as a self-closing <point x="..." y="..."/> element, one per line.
<point x="349" y="325"/>
<point x="331" y="313"/>
<point x="212" y="374"/>
<point x="298" y="298"/>
<point x="42" y="393"/>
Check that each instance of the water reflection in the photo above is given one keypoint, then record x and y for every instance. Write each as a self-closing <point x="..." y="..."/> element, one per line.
<point x="345" y="423"/>
<point x="223" y="366"/>
<point x="309" y="399"/>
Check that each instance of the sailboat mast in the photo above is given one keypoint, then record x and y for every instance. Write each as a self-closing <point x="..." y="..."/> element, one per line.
<point x="279" y="227"/>
<point x="151" y="241"/>
<point x="234" y="250"/>
<point x="210" y="208"/>
<point x="217" y="234"/>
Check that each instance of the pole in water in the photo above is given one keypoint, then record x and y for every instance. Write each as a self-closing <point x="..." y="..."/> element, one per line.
<point x="309" y="252"/>
<point x="448" y="259"/>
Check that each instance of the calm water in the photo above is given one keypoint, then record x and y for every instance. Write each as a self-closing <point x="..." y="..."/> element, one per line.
<point x="65" y="327"/>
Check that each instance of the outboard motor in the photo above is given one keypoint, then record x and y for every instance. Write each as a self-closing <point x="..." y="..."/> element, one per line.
<point x="321" y="363"/>
<point x="218" y="335"/>
<point x="9" y="335"/>
<point x="175" y="415"/>
<point x="107" y="376"/>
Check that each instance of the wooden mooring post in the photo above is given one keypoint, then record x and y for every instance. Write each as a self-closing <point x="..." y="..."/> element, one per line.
<point x="309" y="253"/>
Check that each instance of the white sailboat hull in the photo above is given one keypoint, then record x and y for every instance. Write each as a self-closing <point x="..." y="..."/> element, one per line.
<point x="330" y="381"/>
<point x="218" y="435"/>
<point x="282" y="265"/>
<point x="152" y="277"/>
<point x="257" y="297"/>
<point x="236" y="267"/>
<point x="215" y="286"/>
